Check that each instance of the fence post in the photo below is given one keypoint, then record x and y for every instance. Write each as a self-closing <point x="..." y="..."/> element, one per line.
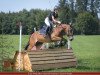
<point x="20" y="43"/>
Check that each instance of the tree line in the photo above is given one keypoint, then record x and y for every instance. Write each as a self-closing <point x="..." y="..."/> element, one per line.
<point x="81" y="14"/>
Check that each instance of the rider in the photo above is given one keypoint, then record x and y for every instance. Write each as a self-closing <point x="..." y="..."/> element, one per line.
<point x="50" y="20"/>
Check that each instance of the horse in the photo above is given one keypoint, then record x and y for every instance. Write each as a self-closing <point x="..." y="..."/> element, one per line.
<point x="56" y="35"/>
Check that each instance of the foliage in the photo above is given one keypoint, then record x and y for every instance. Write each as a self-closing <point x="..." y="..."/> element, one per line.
<point x="64" y="11"/>
<point x="4" y="47"/>
<point x="86" y="24"/>
<point x="29" y="19"/>
<point x="68" y="12"/>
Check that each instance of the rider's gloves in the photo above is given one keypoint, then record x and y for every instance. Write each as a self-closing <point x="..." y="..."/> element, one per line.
<point x="59" y="22"/>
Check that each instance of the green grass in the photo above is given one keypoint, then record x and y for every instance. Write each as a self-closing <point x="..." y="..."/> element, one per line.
<point x="86" y="50"/>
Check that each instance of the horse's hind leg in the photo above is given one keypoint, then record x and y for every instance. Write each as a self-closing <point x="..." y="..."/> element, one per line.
<point x="30" y="47"/>
<point x="31" y="44"/>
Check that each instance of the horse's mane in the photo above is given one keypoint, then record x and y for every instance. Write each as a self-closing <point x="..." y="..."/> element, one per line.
<point x="61" y="26"/>
<point x="60" y="29"/>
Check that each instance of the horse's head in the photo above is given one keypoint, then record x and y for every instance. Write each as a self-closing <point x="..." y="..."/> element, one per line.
<point x="68" y="31"/>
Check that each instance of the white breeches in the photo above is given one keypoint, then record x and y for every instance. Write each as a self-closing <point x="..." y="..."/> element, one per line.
<point x="47" y="22"/>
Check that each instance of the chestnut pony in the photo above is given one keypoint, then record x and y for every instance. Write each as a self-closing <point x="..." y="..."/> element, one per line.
<point x="56" y="35"/>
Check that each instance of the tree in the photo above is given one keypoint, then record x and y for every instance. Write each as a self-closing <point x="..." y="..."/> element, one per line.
<point x="73" y="14"/>
<point x="86" y="24"/>
<point x="81" y="5"/>
<point x="64" y="11"/>
<point x="68" y="12"/>
<point x="92" y="6"/>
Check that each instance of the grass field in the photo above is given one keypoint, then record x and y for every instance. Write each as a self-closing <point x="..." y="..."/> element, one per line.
<point x="86" y="49"/>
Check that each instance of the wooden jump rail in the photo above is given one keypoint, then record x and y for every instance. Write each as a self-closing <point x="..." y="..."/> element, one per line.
<point x="45" y="59"/>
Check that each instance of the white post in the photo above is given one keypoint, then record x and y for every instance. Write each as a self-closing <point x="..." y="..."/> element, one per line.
<point x="34" y="29"/>
<point x="47" y="45"/>
<point x="20" y="42"/>
<point x="68" y="43"/>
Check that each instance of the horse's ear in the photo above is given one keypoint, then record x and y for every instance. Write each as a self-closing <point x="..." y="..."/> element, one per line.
<point x="71" y="24"/>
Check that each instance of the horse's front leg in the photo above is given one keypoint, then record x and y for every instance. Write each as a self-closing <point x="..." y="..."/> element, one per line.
<point x="55" y="38"/>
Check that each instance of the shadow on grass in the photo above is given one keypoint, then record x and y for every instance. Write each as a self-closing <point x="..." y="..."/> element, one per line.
<point x="87" y="66"/>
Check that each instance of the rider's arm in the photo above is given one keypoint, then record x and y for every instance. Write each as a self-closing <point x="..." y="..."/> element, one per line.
<point x="55" y="21"/>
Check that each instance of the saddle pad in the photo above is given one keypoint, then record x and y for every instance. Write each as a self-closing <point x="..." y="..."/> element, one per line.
<point x="43" y="30"/>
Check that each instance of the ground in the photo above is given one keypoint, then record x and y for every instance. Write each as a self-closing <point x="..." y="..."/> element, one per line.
<point x="86" y="49"/>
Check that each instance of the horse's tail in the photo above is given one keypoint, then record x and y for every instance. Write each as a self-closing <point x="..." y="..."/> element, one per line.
<point x="26" y="46"/>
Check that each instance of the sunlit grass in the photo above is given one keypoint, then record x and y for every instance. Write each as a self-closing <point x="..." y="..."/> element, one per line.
<point x="86" y="50"/>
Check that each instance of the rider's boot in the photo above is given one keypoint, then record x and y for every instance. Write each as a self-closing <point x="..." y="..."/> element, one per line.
<point x="48" y="32"/>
